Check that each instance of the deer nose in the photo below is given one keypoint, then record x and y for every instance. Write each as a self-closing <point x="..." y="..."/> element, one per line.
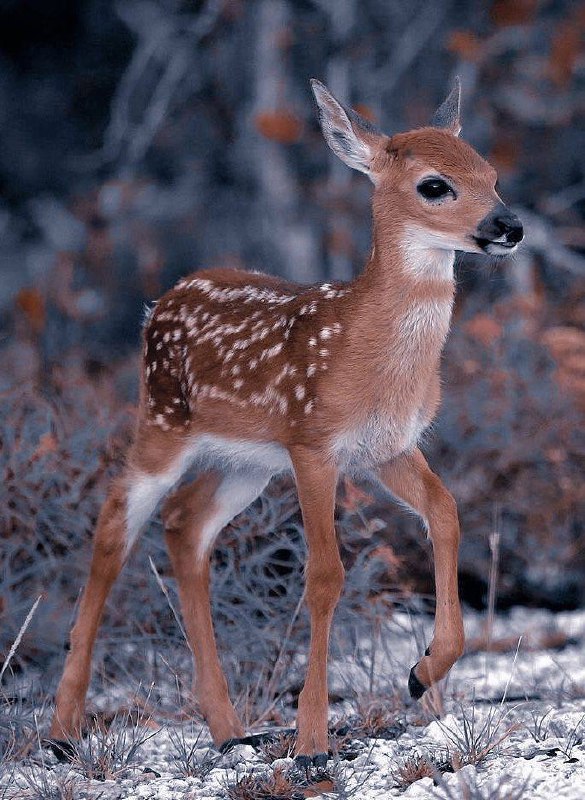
<point x="501" y="226"/>
<point x="509" y="225"/>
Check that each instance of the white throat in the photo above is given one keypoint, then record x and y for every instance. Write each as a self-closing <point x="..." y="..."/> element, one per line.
<point x="427" y="255"/>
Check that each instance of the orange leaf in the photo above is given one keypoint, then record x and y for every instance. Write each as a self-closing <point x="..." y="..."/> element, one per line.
<point x="483" y="328"/>
<point x="565" y="50"/>
<point x="365" y="111"/>
<point x="513" y="12"/>
<point x="504" y="152"/>
<point x="47" y="444"/>
<point x="316" y="789"/>
<point x="466" y="45"/>
<point x="386" y="554"/>
<point x="281" y="126"/>
<point x="354" y="497"/>
<point x="340" y="241"/>
<point x="567" y="347"/>
<point x="32" y="305"/>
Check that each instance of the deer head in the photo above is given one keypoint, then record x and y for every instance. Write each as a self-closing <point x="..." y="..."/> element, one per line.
<point x="431" y="189"/>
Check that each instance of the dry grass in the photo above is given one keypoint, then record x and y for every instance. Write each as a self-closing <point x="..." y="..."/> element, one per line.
<point x="281" y="746"/>
<point x="476" y="738"/>
<point x="421" y="765"/>
<point x="111" y="750"/>
<point x="40" y="787"/>
<point x="275" y="787"/>
<point x="375" y="719"/>
<point x="467" y="788"/>
<point x="191" y="760"/>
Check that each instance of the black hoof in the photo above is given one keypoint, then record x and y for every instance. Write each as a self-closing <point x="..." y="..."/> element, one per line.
<point x="304" y="762"/>
<point x="415" y="687"/>
<point x="254" y="739"/>
<point x="320" y="760"/>
<point x="63" y="749"/>
<point x="229" y="744"/>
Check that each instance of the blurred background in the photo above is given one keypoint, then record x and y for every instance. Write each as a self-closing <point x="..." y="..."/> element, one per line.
<point x="144" y="139"/>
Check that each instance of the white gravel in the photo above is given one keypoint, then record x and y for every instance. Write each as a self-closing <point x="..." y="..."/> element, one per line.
<point x="541" y="749"/>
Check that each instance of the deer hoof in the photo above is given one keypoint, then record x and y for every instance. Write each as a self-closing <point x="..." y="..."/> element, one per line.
<point x="415" y="687"/>
<point x="63" y="749"/>
<point x="304" y="762"/>
<point x="320" y="760"/>
<point x="229" y="744"/>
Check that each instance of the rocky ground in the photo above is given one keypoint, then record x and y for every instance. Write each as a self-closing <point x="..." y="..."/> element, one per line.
<point x="508" y="723"/>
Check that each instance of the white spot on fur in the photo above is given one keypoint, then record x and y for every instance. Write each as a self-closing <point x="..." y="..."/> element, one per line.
<point x="270" y="352"/>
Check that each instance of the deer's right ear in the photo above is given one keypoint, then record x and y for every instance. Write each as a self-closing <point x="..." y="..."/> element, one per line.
<point x="351" y="137"/>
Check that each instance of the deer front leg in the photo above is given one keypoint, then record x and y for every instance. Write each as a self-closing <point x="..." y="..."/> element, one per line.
<point x="411" y="480"/>
<point x="316" y="482"/>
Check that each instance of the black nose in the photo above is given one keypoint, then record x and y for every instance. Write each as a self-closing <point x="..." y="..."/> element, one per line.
<point x="501" y="224"/>
<point x="509" y="225"/>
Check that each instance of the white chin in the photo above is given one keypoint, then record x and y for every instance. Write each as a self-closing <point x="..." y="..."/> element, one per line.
<point x="495" y="249"/>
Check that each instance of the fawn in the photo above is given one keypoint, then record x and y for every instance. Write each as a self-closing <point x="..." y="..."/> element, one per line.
<point x="247" y="375"/>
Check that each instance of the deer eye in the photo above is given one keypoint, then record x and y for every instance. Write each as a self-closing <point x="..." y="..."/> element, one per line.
<point x="435" y="189"/>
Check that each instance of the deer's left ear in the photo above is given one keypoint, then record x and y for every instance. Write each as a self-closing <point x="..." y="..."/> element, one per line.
<point x="447" y="114"/>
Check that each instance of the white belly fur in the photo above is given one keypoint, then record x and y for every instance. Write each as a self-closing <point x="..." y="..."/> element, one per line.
<point x="256" y="462"/>
<point x="372" y="443"/>
<point x="377" y="440"/>
<point x="215" y="451"/>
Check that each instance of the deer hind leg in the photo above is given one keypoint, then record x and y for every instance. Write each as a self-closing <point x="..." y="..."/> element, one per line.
<point x="316" y="482"/>
<point x="130" y="502"/>
<point x="410" y="479"/>
<point x="193" y="517"/>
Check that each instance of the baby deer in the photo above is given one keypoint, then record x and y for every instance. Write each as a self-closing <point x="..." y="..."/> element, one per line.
<point x="247" y="375"/>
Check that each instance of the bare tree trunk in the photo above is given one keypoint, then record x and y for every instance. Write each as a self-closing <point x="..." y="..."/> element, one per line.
<point x="283" y="224"/>
<point x="342" y="17"/>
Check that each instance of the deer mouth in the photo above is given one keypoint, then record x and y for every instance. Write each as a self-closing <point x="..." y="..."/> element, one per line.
<point x="495" y="247"/>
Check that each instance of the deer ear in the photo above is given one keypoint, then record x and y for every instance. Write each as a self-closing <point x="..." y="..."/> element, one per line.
<point x="447" y="114"/>
<point x="350" y="136"/>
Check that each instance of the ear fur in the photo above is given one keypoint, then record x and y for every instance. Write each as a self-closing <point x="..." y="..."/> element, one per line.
<point x="351" y="137"/>
<point x="447" y="114"/>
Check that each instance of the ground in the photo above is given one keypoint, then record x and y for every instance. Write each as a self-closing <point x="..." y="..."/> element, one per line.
<point x="507" y="723"/>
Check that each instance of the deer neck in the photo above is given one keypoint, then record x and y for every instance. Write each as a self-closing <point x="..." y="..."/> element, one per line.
<point x="405" y="258"/>
<point x="405" y="299"/>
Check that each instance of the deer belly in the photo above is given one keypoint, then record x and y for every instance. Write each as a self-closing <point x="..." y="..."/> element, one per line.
<point x="377" y="440"/>
<point x="217" y="452"/>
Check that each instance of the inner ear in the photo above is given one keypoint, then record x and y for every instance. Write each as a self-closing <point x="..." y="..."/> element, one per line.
<point x="448" y="113"/>
<point x="351" y="137"/>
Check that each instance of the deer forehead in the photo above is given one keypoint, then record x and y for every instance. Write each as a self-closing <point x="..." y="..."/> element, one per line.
<point x="432" y="150"/>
